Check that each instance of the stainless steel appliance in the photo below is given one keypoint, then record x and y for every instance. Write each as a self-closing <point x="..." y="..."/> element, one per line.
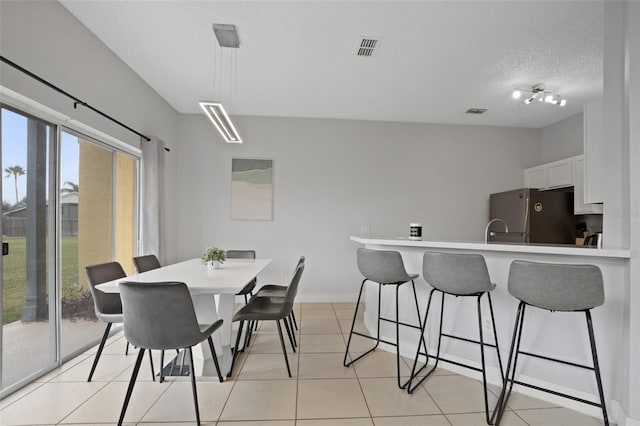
<point x="532" y="216"/>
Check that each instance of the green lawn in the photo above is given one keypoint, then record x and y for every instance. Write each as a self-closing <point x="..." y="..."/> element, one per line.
<point x="14" y="275"/>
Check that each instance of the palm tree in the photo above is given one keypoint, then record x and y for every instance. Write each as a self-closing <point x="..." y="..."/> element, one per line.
<point x="15" y="171"/>
<point x="70" y="188"/>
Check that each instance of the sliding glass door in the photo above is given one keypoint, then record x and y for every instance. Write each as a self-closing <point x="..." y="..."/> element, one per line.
<point x="69" y="201"/>
<point x="28" y="287"/>
<point x="98" y="224"/>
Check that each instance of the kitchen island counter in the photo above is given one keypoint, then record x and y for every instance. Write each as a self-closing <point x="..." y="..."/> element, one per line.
<point x="559" y="335"/>
<point x="567" y="250"/>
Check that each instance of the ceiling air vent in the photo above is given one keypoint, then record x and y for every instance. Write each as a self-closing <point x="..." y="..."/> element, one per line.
<point x="476" y="111"/>
<point x="367" y="46"/>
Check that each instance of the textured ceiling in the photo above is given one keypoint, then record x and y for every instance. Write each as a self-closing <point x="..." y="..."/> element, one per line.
<point x="297" y="58"/>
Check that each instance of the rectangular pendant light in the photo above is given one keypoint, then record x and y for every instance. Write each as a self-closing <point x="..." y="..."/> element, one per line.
<point x="218" y="116"/>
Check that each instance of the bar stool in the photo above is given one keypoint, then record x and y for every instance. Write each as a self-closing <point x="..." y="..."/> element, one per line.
<point x="385" y="268"/>
<point x="459" y="275"/>
<point x="553" y="287"/>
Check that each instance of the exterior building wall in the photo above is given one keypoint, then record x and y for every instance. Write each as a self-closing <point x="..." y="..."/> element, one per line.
<point x="94" y="207"/>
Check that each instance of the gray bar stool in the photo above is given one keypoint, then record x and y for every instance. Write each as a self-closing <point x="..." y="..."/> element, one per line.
<point x="459" y="275"/>
<point x="553" y="287"/>
<point x="385" y="268"/>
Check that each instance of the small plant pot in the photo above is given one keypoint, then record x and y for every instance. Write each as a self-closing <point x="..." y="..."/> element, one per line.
<point x="214" y="264"/>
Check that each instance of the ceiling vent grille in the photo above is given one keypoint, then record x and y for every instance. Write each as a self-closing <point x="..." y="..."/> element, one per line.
<point x="367" y="46"/>
<point x="476" y="111"/>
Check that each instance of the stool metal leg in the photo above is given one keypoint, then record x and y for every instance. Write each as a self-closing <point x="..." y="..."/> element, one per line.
<point x="482" y="359"/>
<point x="507" y="384"/>
<point x="400" y="385"/>
<point x="353" y="324"/>
<point x="596" y="366"/>
<point x="422" y="341"/>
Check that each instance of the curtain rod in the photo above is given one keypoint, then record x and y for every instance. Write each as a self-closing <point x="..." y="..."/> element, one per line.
<point x="76" y="100"/>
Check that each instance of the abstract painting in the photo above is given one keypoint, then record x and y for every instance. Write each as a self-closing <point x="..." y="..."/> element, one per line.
<point x="251" y="189"/>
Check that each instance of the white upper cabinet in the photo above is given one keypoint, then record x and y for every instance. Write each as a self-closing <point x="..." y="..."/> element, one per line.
<point x="579" y="205"/>
<point x="558" y="174"/>
<point x="535" y="177"/>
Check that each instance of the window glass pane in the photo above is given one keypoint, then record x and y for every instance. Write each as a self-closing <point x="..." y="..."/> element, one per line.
<point x="86" y="174"/>
<point x="125" y="211"/>
<point x="27" y="332"/>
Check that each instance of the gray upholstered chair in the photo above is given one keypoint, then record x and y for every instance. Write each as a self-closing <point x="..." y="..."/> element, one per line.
<point x="553" y="287"/>
<point x="161" y="316"/>
<point x="279" y="291"/>
<point x="459" y="275"/>
<point x="146" y="263"/>
<point x="107" y="306"/>
<point x="247" y="290"/>
<point x="269" y="309"/>
<point x="385" y="268"/>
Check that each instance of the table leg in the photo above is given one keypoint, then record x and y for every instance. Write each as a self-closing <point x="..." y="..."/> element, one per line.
<point x="226" y="303"/>
<point x="209" y="309"/>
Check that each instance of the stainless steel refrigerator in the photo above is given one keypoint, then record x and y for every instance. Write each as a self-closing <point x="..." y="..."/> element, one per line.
<point x="543" y="217"/>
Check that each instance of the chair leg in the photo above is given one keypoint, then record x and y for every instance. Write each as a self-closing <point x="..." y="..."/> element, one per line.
<point x="596" y="367"/>
<point x="215" y="359"/>
<point x="284" y="349"/>
<point x="100" y="348"/>
<point x="161" y="379"/>
<point x="400" y="385"/>
<point x="437" y="356"/>
<point x="482" y="361"/>
<point x="293" y="318"/>
<point x="153" y="373"/>
<point x="193" y="386"/>
<point x="353" y="323"/>
<point x="293" y="329"/>
<point x="132" y="382"/>
<point x="291" y="338"/>
<point x="235" y="351"/>
<point x="126" y="350"/>
<point x="507" y="384"/>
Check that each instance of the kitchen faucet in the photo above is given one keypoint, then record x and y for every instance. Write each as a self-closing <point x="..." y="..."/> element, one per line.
<point x="486" y="230"/>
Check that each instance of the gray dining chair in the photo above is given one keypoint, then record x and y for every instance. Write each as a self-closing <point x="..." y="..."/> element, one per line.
<point x="269" y="309"/>
<point x="279" y="292"/>
<point x="161" y="316"/>
<point x="146" y="263"/>
<point x="276" y="290"/>
<point x="108" y="306"/>
<point x="247" y="290"/>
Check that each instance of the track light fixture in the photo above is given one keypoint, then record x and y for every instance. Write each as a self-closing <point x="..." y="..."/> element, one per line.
<point x="541" y="93"/>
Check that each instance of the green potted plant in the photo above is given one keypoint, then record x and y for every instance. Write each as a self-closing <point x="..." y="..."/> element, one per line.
<point x="213" y="257"/>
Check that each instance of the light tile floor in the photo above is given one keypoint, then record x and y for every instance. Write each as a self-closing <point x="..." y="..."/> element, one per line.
<point x="321" y="393"/>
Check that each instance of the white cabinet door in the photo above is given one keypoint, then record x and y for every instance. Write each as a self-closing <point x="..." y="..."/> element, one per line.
<point x="560" y="174"/>
<point x="534" y="177"/>
<point x="595" y="177"/>
<point x="579" y="206"/>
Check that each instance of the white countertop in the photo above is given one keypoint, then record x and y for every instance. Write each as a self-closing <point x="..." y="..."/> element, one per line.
<point x="567" y="250"/>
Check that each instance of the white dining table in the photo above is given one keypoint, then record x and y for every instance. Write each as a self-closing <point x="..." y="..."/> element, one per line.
<point x="205" y="286"/>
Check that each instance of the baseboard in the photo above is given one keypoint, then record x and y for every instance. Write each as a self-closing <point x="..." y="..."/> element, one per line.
<point x="326" y="297"/>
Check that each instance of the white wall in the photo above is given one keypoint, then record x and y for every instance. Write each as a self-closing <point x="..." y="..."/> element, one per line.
<point x="44" y="38"/>
<point x="331" y="177"/>
<point x="562" y="139"/>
